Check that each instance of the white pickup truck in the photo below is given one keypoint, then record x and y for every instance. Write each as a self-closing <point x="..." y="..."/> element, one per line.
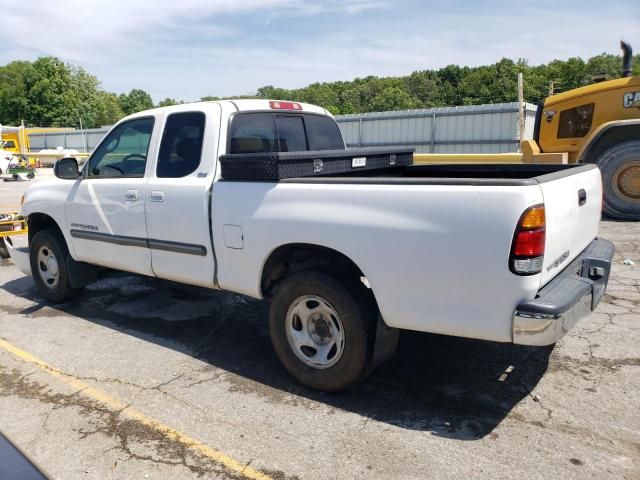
<point x="507" y="253"/>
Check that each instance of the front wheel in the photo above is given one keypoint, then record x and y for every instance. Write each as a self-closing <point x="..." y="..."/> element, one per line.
<point x="620" y="166"/>
<point x="320" y="330"/>
<point x="48" y="255"/>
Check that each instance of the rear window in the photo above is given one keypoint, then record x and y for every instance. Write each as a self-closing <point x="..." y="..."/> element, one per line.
<point x="278" y="132"/>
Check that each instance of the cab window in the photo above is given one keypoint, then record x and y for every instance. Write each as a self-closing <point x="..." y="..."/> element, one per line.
<point x="124" y="152"/>
<point x="181" y="146"/>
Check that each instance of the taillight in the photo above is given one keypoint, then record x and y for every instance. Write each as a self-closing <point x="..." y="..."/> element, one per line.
<point x="285" y="105"/>
<point x="527" y="250"/>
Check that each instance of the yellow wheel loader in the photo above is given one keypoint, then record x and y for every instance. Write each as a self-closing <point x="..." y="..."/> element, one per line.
<point x="598" y="123"/>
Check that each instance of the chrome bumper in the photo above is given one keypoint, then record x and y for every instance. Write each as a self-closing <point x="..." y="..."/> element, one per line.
<point x="569" y="297"/>
<point x="18" y="247"/>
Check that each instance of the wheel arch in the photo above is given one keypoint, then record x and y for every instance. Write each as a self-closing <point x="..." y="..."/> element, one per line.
<point x="294" y="257"/>
<point x="37" y="222"/>
<point x="80" y="273"/>
<point x="606" y="136"/>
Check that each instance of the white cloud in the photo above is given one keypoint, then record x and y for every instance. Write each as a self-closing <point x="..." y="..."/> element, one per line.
<point x="190" y="48"/>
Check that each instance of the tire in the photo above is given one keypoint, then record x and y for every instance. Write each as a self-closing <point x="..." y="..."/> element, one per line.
<point x="315" y="295"/>
<point x="51" y="276"/>
<point x="4" y="252"/>
<point x="30" y="176"/>
<point x="620" y="167"/>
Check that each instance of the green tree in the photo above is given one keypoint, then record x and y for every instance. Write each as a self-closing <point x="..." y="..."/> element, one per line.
<point x="48" y="92"/>
<point x="392" y="98"/>
<point x="167" y="102"/>
<point x="135" y="101"/>
<point x="109" y="110"/>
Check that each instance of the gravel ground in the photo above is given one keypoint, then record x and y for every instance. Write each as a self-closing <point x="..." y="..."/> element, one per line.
<point x="141" y="378"/>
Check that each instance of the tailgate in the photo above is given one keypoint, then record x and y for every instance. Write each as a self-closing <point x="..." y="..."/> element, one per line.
<point x="573" y="203"/>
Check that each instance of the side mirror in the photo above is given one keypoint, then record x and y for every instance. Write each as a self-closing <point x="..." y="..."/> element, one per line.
<point x="66" y="168"/>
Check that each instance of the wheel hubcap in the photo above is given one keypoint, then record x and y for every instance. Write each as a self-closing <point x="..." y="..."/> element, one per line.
<point x="48" y="267"/>
<point x="315" y="332"/>
<point x="626" y="181"/>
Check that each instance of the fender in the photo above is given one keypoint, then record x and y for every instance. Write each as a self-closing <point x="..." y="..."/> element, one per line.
<point x="599" y="133"/>
<point x="48" y="198"/>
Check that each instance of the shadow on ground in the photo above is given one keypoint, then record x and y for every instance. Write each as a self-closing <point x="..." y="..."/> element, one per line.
<point x="450" y="386"/>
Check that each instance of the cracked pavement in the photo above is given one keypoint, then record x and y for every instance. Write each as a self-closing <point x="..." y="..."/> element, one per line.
<point x="201" y="363"/>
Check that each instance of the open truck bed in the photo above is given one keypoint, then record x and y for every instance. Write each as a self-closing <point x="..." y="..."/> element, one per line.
<point x="466" y="174"/>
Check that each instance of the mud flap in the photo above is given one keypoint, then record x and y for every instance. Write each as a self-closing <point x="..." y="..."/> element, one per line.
<point x="385" y="344"/>
<point x="80" y="273"/>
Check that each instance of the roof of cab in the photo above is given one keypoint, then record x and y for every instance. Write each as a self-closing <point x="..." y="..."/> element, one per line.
<point x="242" y="105"/>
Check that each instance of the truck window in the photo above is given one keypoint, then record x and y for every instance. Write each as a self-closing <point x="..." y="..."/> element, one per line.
<point x="181" y="146"/>
<point x="9" y="144"/>
<point x="291" y="134"/>
<point x="277" y="132"/>
<point x="323" y="133"/>
<point x="124" y="151"/>
<point x="253" y="133"/>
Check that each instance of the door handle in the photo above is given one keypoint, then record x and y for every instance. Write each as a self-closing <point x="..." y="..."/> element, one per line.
<point x="582" y="197"/>
<point x="156" y="196"/>
<point x="131" y="195"/>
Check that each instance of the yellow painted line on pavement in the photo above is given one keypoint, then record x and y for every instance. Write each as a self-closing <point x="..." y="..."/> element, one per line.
<point x="98" y="395"/>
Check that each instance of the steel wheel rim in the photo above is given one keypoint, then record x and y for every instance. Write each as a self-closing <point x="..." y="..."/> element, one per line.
<point x="315" y="332"/>
<point x="626" y="181"/>
<point x="48" y="266"/>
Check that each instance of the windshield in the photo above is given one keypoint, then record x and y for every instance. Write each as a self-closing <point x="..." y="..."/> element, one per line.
<point x="283" y="132"/>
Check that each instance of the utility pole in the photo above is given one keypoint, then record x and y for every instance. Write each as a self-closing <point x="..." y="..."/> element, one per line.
<point x="23" y="138"/>
<point x="84" y="140"/>
<point x="552" y="85"/>
<point x="521" y="112"/>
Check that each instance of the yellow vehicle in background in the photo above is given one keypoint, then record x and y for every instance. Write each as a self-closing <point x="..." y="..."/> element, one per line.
<point x="598" y="123"/>
<point x="15" y="140"/>
<point x="10" y="224"/>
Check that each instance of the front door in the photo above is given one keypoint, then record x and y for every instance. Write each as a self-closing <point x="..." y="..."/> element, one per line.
<point x="106" y="208"/>
<point x="178" y="198"/>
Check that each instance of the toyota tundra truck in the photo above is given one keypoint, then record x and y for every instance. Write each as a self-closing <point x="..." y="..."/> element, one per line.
<point x="506" y="253"/>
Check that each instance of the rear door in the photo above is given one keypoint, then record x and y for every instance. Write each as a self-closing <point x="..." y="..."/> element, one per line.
<point x="573" y="208"/>
<point x="178" y="195"/>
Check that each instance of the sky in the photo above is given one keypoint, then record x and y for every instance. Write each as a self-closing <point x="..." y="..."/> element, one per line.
<point x="186" y="49"/>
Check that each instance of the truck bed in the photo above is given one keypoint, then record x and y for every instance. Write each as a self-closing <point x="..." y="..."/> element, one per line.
<point x="458" y="174"/>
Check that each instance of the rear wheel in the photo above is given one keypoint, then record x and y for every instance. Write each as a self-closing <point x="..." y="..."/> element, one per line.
<point x="320" y="330"/>
<point x="48" y="255"/>
<point x="620" y="166"/>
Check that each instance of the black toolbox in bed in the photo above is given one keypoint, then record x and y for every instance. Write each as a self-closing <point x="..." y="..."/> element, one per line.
<point x="279" y="165"/>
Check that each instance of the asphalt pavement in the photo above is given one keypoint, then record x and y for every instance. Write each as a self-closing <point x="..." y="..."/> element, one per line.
<point x="142" y="378"/>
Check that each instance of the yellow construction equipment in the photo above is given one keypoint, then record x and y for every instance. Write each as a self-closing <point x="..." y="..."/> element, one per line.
<point x="598" y="123"/>
<point x="11" y="223"/>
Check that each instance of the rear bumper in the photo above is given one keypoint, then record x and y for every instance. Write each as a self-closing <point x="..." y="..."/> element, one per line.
<point x="569" y="297"/>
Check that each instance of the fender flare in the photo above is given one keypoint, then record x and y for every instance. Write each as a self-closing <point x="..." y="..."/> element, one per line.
<point x="601" y="133"/>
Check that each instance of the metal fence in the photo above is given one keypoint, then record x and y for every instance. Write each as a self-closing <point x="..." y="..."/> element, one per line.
<point x="81" y="140"/>
<point x="491" y="128"/>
